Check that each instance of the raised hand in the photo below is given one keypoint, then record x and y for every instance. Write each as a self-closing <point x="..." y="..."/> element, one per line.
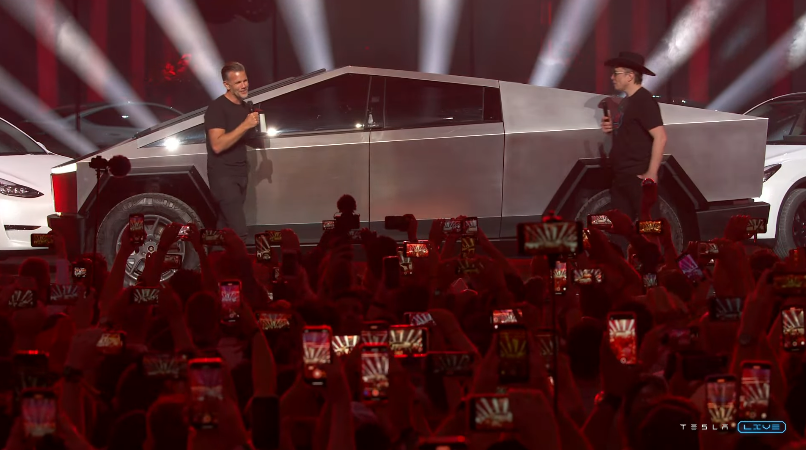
<point x="622" y="225"/>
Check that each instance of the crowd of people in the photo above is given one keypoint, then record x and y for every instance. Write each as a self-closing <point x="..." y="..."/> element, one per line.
<point x="170" y="364"/>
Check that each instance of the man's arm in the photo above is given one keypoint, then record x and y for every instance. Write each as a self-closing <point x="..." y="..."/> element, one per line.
<point x="221" y="141"/>
<point x="658" y="145"/>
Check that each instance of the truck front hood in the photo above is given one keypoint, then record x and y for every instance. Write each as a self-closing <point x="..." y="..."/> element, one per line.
<point x="779" y="153"/>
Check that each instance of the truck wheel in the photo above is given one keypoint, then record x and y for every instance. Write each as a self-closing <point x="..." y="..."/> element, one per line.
<point x="791" y="227"/>
<point x="159" y="210"/>
<point x="600" y="203"/>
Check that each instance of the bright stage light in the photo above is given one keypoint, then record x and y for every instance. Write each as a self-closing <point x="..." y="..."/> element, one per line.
<point x="439" y="20"/>
<point x="65" y="37"/>
<point x="181" y="21"/>
<point x="574" y="22"/>
<point x="787" y="54"/>
<point x="691" y="29"/>
<point x="307" y="25"/>
<point x="19" y="98"/>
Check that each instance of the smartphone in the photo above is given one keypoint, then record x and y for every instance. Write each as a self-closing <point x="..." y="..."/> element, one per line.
<point x="789" y="284"/>
<point x="452" y="226"/>
<point x="720" y="399"/>
<point x="391" y="271"/>
<point x="316" y="352"/>
<point x="65" y="294"/>
<point x="689" y="266"/>
<point x="599" y="222"/>
<point x="81" y="269"/>
<point x="466" y="267"/>
<point x="513" y="353"/>
<point x="31" y="369"/>
<point x="212" y="238"/>
<point x="41" y="240"/>
<point x="273" y="321"/>
<point x="559" y="277"/>
<point x="723" y="309"/>
<point x="442" y="443"/>
<point x="172" y="262"/>
<point x="374" y="372"/>
<point x="230" y="293"/>
<point x="681" y="338"/>
<point x="275" y="236"/>
<point x="653" y="227"/>
<point x="137" y="230"/>
<point x="587" y="276"/>
<point x="623" y="340"/>
<point x="38" y="411"/>
<point x="156" y="365"/>
<point x="754" y="394"/>
<point x="650" y="280"/>
<point x="328" y="224"/>
<point x="408" y="341"/>
<point x="375" y="332"/>
<point x="419" y="319"/>
<point x="398" y="223"/>
<point x="698" y="366"/>
<point x="757" y="225"/>
<point x="206" y="381"/>
<point x="549" y="238"/>
<point x="505" y="316"/>
<point x="141" y="295"/>
<point x="470" y="226"/>
<point x="344" y="345"/>
<point x="490" y="413"/>
<point x="184" y="233"/>
<point x="289" y="264"/>
<point x="793" y="337"/>
<point x="417" y="250"/>
<point x="707" y="249"/>
<point x="548" y="345"/>
<point x="468" y="247"/>
<point x="22" y="299"/>
<point x="355" y="236"/>
<point x="450" y="364"/>
<point x="111" y="342"/>
<point x="263" y="247"/>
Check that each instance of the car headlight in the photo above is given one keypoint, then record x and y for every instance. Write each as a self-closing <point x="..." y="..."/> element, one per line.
<point x="17" y="190"/>
<point x="769" y="171"/>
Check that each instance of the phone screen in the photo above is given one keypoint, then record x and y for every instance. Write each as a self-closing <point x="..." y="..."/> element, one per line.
<point x="793" y="284"/>
<point x="22" y="299"/>
<point x="417" y="250"/>
<point x="79" y="272"/>
<point x="623" y="340"/>
<point x="407" y="341"/>
<point x="587" y="276"/>
<point x="111" y="342"/>
<point x="757" y="225"/>
<point x="599" y="222"/>
<point x="375" y="333"/>
<point x="172" y="262"/>
<point x="452" y="226"/>
<point x="316" y="352"/>
<point x="275" y="236"/>
<point x="560" y="278"/>
<point x="468" y="247"/>
<point x="230" y="292"/>
<point x="649" y="227"/>
<point x="145" y="295"/>
<point x="164" y="365"/>
<point x="212" y="237"/>
<point x="344" y="345"/>
<point x="504" y="316"/>
<point x="375" y="371"/>
<point x="470" y="226"/>
<point x="419" y="319"/>
<point x="794" y="335"/>
<point x="328" y="224"/>
<point x="38" y="413"/>
<point x="206" y="381"/>
<point x="545" y="338"/>
<point x="263" y="247"/>
<point x="41" y="240"/>
<point x="689" y="266"/>
<point x="726" y="309"/>
<point x="450" y="364"/>
<point x="513" y="353"/>
<point x="274" y="321"/>
<point x="137" y="229"/>
<point x="65" y="294"/>
<point x="491" y="413"/>
<point x="184" y="233"/>
<point x="549" y="238"/>
<point x="650" y="280"/>
<point x="754" y="398"/>
<point x="721" y="399"/>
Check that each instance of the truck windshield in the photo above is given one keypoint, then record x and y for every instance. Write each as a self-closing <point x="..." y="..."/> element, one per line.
<point x="786" y="119"/>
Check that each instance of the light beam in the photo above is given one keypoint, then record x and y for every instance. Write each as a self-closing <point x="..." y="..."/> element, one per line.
<point x="439" y="20"/>
<point x="307" y="24"/>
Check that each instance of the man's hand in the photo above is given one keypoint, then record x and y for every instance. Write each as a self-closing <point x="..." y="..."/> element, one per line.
<point x="251" y="121"/>
<point x="169" y="236"/>
<point x="649" y="175"/>
<point x="607" y="125"/>
<point x="622" y="225"/>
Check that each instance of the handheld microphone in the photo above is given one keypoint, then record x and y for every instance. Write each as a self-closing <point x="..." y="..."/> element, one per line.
<point x="250" y="107"/>
<point x="604" y="107"/>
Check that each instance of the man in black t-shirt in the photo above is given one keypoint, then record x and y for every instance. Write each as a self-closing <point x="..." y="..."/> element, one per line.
<point x="638" y="137"/>
<point x="229" y="122"/>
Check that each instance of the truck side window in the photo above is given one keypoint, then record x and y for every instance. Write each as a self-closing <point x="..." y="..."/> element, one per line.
<point x="193" y="135"/>
<point x="419" y="103"/>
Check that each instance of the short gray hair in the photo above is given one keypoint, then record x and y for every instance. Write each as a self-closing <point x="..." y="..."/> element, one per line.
<point x="229" y="67"/>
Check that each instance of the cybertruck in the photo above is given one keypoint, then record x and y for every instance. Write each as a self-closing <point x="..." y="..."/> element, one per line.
<point x="400" y="142"/>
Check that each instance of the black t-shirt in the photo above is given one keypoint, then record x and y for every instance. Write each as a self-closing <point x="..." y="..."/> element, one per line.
<point x="632" y="143"/>
<point x="224" y="114"/>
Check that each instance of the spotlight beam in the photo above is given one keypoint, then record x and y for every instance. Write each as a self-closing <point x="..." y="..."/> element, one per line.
<point x="439" y="20"/>
<point x="307" y="24"/>
<point x="691" y="28"/>
<point x="787" y="54"/>
<point x="16" y="96"/>
<point x="183" y="24"/>
<point x="65" y="37"/>
<point x="574" y="22"/>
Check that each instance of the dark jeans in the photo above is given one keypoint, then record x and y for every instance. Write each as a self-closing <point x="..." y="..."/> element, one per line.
<point x="229" y="193"/>
<point x="625" y="196"/>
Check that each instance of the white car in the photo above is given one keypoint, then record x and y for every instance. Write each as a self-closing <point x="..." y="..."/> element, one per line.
<point x="785" y="170"/>
<point x="25" y="190"/>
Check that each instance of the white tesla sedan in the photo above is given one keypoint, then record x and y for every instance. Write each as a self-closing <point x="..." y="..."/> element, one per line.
<point x="25" y="192"/>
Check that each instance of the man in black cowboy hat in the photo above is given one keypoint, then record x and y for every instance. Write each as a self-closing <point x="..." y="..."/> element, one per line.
<point x="638" y="134"/>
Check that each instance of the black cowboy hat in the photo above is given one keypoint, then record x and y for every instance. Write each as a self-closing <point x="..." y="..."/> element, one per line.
<point x="629" y="60"/>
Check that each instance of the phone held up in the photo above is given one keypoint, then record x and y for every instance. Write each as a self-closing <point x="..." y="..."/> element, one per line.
<point x="230" y="292"/>
<point x="622" y="336"/>
<point x="374" y="372"/>
<point x="513" y="354"/>
<point x="550" y="238"/>
<point x="720" y="399"/>
<point x="206" y="381"/>
<point x="490" y="413"/>
<point x="137" y="230"/>
<point x="754" y="394"/>
<point x="38" y="412"/>
<point x="315" y="354"/>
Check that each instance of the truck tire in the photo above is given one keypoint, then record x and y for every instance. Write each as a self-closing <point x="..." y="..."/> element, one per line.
<point x="159" y="210"/>
<point x="600" y="203"/>
<point x="791" y="226"/>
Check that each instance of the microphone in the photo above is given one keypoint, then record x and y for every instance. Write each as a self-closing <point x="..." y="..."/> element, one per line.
<point x="603" y="105"/>
<point x="250" y="107"/>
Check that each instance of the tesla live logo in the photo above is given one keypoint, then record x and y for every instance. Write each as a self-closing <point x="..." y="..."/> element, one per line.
<point x="744" y="427"/>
